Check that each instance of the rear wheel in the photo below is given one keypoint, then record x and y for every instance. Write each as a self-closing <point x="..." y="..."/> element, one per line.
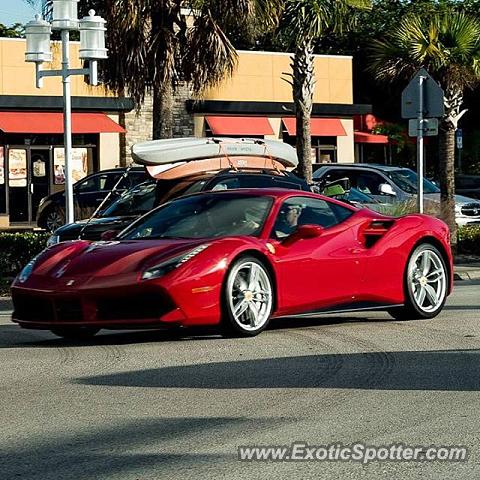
<point x="54" y="219"/>
<point x="247" y="298"/>
<point x="75" y="333"/>
<point x="426" y="285"/>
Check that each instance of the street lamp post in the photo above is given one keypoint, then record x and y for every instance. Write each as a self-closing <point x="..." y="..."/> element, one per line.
<point x="92" y="48"/>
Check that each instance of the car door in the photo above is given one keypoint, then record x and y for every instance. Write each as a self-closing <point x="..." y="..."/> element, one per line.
<point x="91" y="192"/>
<point x="320" y="272"/>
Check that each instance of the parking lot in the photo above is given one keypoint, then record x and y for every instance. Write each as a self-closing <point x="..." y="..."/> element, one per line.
<point x="150" y="405"/>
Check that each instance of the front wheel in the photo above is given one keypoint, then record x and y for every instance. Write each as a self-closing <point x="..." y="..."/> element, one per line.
<point x="247" y="298"/>
<point x="75" y="333"/>
<point x="426" y="285"/>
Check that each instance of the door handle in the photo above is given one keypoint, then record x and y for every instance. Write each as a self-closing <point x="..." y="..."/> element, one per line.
<point x="31" y="188"/>
<point x="356" y="251"/>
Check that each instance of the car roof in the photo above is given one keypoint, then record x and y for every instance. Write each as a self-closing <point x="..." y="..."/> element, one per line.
<point x="373" y="166"/>
<point x="232" y="173"/>
<point x="278" y="193"/>
<point x="118" y="169"/>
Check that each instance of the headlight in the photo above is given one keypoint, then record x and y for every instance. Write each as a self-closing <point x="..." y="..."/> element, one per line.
<point x="27" y="270"/>
<point x="54" y="239"/>
<point x="167" y="266"/>
<point x="458" y="208"/>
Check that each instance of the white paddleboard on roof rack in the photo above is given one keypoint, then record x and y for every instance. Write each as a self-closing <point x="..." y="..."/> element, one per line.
<point x="172" y="158"/>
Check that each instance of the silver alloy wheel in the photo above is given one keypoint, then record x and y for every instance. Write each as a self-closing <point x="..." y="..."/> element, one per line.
<point x="54" y="220"/>
<point x="428" y="280"/>
<point x="249" y="293"/>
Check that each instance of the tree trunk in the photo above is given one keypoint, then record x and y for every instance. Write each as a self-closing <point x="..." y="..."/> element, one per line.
<point x="163" y="111"/>
<point x="447" y="178"/>
<point x="303" y="88"/>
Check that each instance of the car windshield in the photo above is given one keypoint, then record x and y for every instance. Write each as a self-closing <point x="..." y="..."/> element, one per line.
<point x="406" y="179"/>
<point x="354" y="195"/>
<point x="136" y="201"/>
<point x="204" y="216"/>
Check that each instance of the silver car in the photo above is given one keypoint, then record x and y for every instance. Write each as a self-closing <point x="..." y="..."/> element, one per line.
<point x="397" y="184"/>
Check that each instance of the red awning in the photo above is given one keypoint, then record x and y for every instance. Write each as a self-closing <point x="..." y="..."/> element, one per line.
<point x="320" y="127"/>
<point x="363" y="137"/>
<point x="239" y="125"/>
<point x="52" y="122"/>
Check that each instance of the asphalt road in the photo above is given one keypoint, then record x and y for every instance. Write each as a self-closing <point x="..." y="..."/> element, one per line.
<point x="149" y="405"/>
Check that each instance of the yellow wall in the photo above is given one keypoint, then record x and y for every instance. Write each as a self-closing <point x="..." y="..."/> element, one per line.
<point x="259" y="77"/>
<point x="18" y="77"/>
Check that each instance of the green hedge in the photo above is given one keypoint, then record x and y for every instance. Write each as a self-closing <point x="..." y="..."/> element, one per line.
<point x="469" y="240"/>
<point x="16" y="249"/>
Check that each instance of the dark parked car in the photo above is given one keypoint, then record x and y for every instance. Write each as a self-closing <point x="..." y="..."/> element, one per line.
<point x="144" y="197"/>
<point x="88" y="194"/>
<point x="468" y="185"/>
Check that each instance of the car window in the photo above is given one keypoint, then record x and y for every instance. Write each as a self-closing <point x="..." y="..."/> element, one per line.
<point x="135" y="178"/>
<point x="170" y="189"/>
<point x="88" y="185"/>
<point x="298" y="211"/>
<point x="136" y="201"/>
<point x="252" y="181"/>
<point x="406" y="180"/>
<point x="109" y="180"/>
<point x="206" y="215"/>
<point x="369" y="183"/>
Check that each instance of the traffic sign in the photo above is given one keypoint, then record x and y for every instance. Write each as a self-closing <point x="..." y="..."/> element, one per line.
<point x="459" y="138"/>
<point x="430" y="127"/>
<point x="433" y="106"/>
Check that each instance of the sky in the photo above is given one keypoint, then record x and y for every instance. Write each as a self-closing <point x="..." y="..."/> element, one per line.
<point x="13" y="11"/>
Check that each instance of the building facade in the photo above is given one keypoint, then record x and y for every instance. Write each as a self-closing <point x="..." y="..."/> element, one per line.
<point x="31" y="131"/>
<point x="255" y="102"/>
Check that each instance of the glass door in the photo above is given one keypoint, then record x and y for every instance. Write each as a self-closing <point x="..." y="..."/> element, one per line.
<point x="29" y="179"/>
<point x="40" y="171"/>
<point x="18" y="195"/>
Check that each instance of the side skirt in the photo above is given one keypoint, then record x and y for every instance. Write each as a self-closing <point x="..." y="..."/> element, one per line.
<point x="345" y="308"/>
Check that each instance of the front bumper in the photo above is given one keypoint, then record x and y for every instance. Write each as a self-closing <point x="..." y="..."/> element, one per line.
<point x="117" y="308"/>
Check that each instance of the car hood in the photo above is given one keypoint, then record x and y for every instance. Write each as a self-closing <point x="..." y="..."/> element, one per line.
<point x="83" y="259"/>
<point x="459" y="199"/>
<point x="93" y="229"/>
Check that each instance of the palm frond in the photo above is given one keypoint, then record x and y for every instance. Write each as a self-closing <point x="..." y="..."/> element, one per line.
<point x="446" y="43"/>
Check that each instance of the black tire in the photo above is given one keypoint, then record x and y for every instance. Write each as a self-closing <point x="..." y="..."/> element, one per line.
<point x="231" y="326"/>
<point x="54" y="218"/>
<point x="411" y="310"/>
<point x="75" y="333"/>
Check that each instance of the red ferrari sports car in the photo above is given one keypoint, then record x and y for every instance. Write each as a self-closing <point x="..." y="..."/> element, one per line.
<point x="237" y="259"/>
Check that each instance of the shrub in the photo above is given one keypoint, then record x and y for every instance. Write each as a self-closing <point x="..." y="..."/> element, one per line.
<point x="16" y="249"/>
<point x="469" y="239"/>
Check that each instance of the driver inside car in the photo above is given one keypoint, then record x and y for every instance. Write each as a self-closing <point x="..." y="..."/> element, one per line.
<point x="287" y="221"/>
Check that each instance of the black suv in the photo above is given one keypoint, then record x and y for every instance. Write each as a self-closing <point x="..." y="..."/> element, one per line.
<point x="88" y="194"/>
<point x="150" y="194"/>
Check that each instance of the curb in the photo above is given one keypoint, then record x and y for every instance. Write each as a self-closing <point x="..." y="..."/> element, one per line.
<point x="472" y="275"/>
<point x="5" y="304"/>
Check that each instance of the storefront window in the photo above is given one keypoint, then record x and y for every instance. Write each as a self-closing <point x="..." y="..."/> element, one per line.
<point x="17" y="167"/>
<point x="79" y="164"/>
<point x="3" y="187"/>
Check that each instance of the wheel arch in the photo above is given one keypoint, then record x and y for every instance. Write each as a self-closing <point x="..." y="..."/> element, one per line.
<point x="268" y="265"/>
<point x="440" y="247"/>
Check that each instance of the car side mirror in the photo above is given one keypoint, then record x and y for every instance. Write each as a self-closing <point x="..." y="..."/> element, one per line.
<point x="386" y="189"/>
<point x="108" y="235"/>
<point x="303" y="232"/>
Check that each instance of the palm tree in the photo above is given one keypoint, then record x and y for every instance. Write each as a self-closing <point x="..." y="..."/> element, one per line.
<point x="447" y="44"/>
<point x="305" y="21"/>
<point x="154" y="44"/>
